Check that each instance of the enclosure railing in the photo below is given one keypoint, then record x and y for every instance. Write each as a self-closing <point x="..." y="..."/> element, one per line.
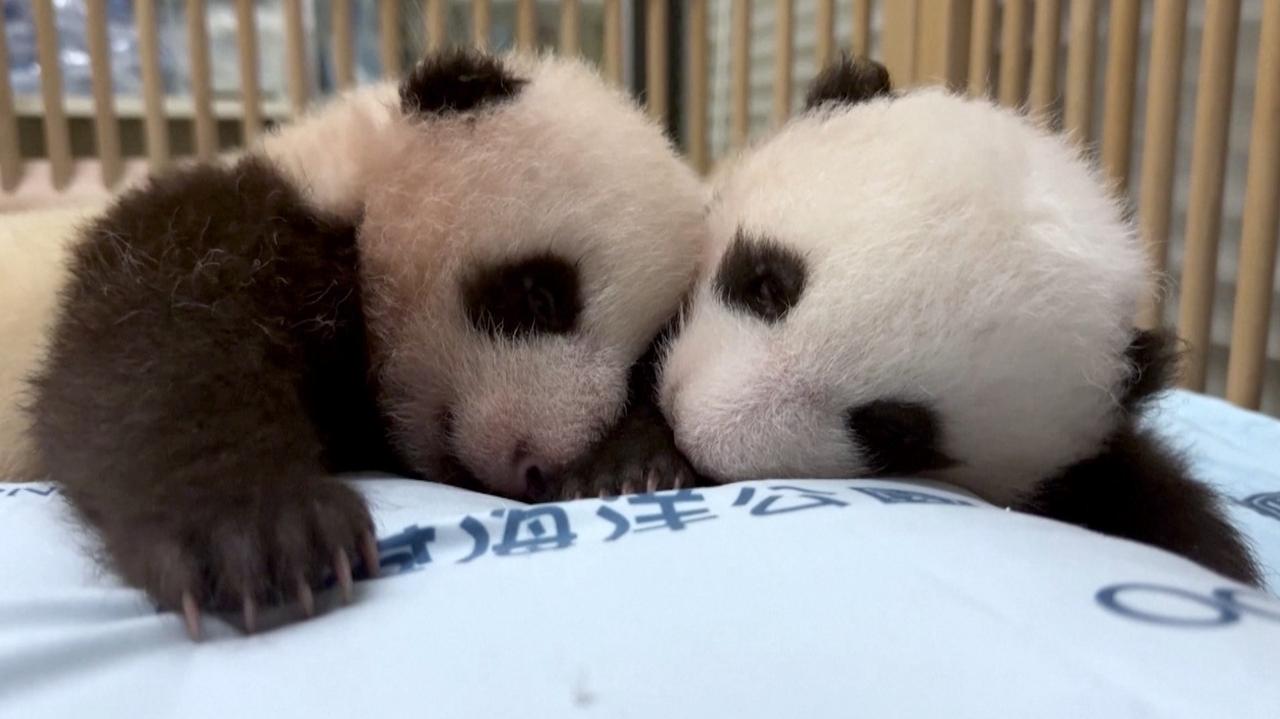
<point x="1041" y="55"/>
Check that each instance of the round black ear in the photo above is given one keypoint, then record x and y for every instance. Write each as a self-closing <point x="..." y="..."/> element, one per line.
<point x="457" y="81"/>
<point x="848" y="81"/>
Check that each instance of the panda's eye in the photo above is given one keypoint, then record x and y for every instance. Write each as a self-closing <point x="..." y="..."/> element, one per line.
<point x="536" y="295"/>
<point x="760" y="276"/>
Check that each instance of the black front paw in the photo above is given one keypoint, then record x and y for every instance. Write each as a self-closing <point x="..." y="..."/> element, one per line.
<point x="638" y="455"/>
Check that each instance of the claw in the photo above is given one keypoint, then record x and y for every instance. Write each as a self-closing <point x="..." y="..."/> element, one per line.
<point x="191" y="613"/>
<point x="369" y="552"/>
<point x="679" y="483"/>
<point x="342" y="568"/>
<point x="626" y="488"/>
<point x="250" y="614"/>
<point x="604" y="494"/>
<point x="306" y="598"/>
<point x="651" y="482"/>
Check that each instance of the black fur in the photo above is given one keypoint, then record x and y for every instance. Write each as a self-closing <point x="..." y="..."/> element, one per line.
<point x="1153" y="366"/>
<point x="898" y="437"/>
<point x="761" y="276"/>
<point x="848" y="81"/>
<point x="532" y="296"/>
<point x="457" y="81"/>
<point x="208" y="368"/>
<point x="1139" y="489"/>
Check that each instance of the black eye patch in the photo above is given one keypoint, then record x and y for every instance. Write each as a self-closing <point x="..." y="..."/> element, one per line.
<point x="897" y="437"/>
<point x="536" y="295"/>
<point x="760" y="276"/>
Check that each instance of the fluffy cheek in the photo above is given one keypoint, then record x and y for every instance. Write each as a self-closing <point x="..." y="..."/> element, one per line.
<point x="742" y="411"/>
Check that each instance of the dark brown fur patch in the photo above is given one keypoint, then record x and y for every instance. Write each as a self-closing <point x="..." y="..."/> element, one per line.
<point x="1153" y="357"/>
<point x="1140" y="489"/>
<point x="457" y="81"/>
<point x="207" y="369"/>
<point x="848" y="81"/>
<point x="897" y="437"/>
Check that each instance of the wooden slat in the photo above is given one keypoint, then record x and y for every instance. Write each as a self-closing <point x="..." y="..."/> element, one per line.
<point x="1013" y="56"/>
<point x="570" y="24"/>
<point x="655" y="58"/>
<point x="1046" y="35"/>
<point x="206" y="127"/>
<point x="782" y="59"/>
<point x="295" y="55"/>
<point x="10" y="154"/>
<point x="1122" y="69"/>
<point x="1204" y="204"/>
<point x="437" y="29"/>
<point x="480" y="21"/>
<point x="57" y="136"/>
<point x="152" y="84"/>
<point x="1077" y="115"/>
<point x="250" y="92"/>
<point x="942" y="42"/>
<point x="106" y="124"/>
<point x="1159" y="149"/>
<point x="344" y="54"/>
<point x="824" y="33"/>
<point x="901" y="18"/>
<point x="699" y="154"/>
<point x="980" y="47"/>
<point x="613" y="40"/>
<point x="526" y="25"/>
<point x="740" y="67"/>
<point x="860" y="40"/>
<point x="389" y="37"/>
<point x="1254" y="281"/>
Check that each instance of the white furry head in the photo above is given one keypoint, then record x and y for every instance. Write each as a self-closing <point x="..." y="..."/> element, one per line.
<point x="526" y="233"/>
<point x="923" y="270"/>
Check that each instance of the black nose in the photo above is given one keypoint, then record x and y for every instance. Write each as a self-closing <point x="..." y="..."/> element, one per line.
<point x="535" y="482"/>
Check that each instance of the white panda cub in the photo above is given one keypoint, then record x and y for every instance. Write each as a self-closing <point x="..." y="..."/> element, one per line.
<point x="453" y="279"/>
<point x="923" y="284"/>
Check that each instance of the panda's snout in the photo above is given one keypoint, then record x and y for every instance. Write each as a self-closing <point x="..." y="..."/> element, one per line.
<point x="529" y="476"/>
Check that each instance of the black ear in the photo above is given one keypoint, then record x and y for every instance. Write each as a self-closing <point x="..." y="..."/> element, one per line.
<point x="1153" y="365"/>
<point x="457" y="81"/>
<point x="897" y="437"/>
<point x="848" y="81"/>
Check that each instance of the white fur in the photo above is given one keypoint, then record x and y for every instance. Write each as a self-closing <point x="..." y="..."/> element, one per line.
<point x="569" y="166"/>
<point x="956" y="254"/>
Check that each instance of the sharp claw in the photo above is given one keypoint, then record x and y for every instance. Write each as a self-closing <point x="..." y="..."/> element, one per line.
<point x="191" y="614"/>
<point x="651" y="483"/>
<point x="342" y="567"/>
<point x="305" y="597"/>
<point x="369" y="552"/>
<point x="626" y="488"/>
<point x="250" y="614"/>
<point x="679" y="483"/>
<point x="604" y="494"/>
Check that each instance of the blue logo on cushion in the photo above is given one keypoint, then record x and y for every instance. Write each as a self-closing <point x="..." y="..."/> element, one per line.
<point x="1267" y="504"/>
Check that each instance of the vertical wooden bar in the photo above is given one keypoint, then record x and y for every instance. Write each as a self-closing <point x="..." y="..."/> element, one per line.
<point x="980" y="46"/>
<point x="206" y="127"/>
<point x="942" y="43"/>
<point x="860" y="39"/>
<point x="824" y="33"/>
<point x="740" y="63"/>
<point x="783" y="49"/>
<point x="1254" y="281"/>
<point x="1160" y="146"/>
<point x="295" y="55"/>
<point x="1122" y="69"/>
<point x="570" y="14"/>
<point x="1047" y="24"/>
<point x="1208" y="169"/>
<point x="343" y="46"/>
<point x="1077" y="115"/>
<point x="901" y="18"/>
<point x="250" y="92"/>
<point x="480" y="21"/>
<point x="698" y="151"/>
<point x="389" y="37"/>
<point x="1013" y="56"/>
<point x="10" y="153"/>
<point x="526" y="25"/>
<point x="152" y="84"/>
<point x="57" y="136"/>
<point x="613" y="40"/>
<point x="655" y="58"/>
<point x="106" y="125"/>
<point x="437" y="29"/>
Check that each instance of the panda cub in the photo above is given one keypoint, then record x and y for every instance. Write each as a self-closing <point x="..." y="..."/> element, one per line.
<point x="452" y="278"/>
<point x="922" y="284"/>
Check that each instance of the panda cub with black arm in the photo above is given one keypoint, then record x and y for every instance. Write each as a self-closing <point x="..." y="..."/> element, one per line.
<point x="451" y="278"/>
<point x="923" y="284"/>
